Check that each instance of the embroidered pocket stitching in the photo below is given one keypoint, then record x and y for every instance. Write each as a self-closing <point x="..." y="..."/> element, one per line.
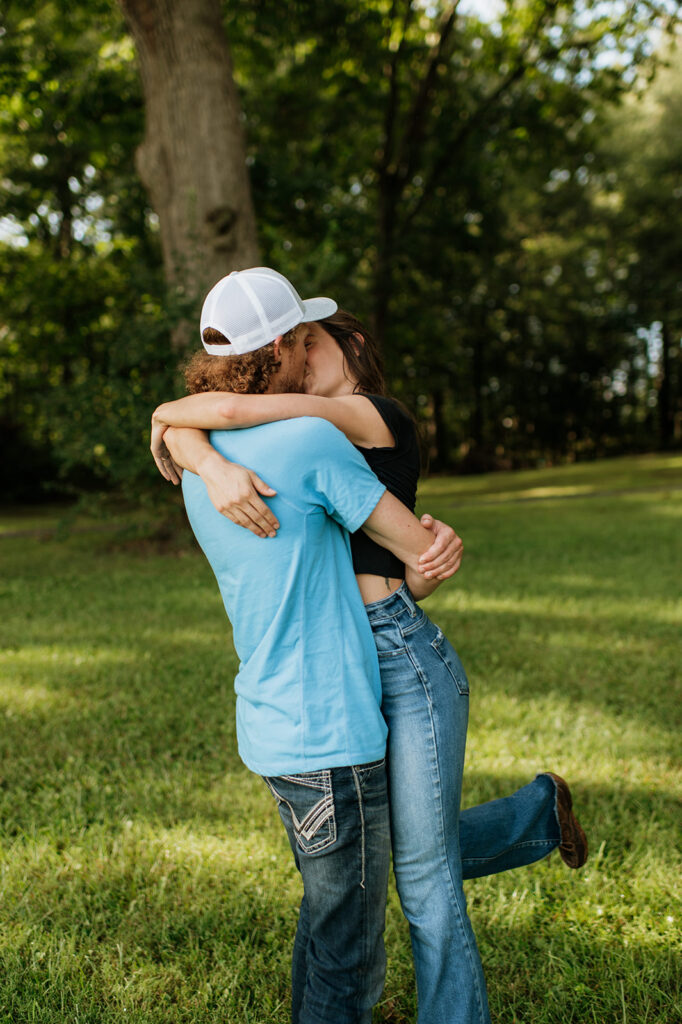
<point x="313" y="780"/>
<point x="315" y="818"/>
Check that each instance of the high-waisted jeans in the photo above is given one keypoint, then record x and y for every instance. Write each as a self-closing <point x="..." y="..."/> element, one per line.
<point x="426" y="707"/>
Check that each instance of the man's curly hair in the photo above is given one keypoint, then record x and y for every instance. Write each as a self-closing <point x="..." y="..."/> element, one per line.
<point x="249" y="374"/>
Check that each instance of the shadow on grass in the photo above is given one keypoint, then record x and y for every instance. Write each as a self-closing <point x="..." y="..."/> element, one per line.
<point x="120" y="696"/>
<point x="146" y="876"/>
<point x="118" y="733"/>
<point x="177" y="927"/>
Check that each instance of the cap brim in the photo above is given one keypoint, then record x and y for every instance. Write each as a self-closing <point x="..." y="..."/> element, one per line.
<point x="317" y="309"/>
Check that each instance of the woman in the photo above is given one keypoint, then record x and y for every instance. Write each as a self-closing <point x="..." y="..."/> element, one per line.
<point x="425" y="689"/>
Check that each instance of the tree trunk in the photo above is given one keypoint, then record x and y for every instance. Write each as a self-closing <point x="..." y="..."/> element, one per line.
<point x="193" y="158"/>
<point x="477" y="427"/>
<point x="383" y="277"/>
<point x="65" y="237"/>
<point x="441" y="439"/>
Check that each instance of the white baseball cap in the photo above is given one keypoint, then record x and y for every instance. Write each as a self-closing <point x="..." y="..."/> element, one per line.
<point x="252" y="307"/>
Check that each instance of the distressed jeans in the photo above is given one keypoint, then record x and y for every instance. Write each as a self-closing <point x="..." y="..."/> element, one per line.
<point x="426" y="705"/>
<point x="338" y="828"/>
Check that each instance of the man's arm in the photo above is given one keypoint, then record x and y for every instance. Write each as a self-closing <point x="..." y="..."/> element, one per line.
<point x="418" y="585"/>
<point x="393" y="526"/>
<point x="234" y="494"/>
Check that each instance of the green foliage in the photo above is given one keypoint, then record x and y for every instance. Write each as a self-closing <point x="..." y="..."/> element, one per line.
<point x="463" y="185"/>
<point x="144" y="873"/>
<point x="85" y="335"/>
<point x="82" y="369"/>
<point x="447" y="195"/>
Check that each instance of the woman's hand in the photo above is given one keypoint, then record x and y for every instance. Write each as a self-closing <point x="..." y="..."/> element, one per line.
<point x="166" y="465"/>
<point x="235" y="491"/>
<point x="443" y="558"/>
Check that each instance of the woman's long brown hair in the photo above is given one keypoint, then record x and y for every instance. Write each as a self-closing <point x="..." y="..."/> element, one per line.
<point x="360" y="351"/>
<point x="365" y="363"/>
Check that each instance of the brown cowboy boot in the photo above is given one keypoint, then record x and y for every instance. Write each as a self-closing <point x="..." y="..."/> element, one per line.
<point x="573" y="844"/>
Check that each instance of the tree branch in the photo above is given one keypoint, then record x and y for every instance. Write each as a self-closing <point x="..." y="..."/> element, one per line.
<point x="390" y="118"/>
<point x="415" y="130"/>
<point x="520" y="68"/>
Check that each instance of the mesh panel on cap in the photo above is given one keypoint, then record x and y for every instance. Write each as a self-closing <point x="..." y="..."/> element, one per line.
<point x="274" y="294"/>
<point x="238" y="314"/>
<point x="242" y="315"/>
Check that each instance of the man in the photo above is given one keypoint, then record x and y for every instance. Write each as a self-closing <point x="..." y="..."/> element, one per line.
<point x="308" y="689"/>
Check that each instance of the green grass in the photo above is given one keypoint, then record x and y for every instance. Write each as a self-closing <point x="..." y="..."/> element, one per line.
<point x="144" y="873"/>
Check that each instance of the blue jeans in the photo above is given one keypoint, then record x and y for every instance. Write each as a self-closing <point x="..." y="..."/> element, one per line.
<point x="511" y="831"/>
<point x="338" y="828"/>
<point x="426" y="706"/>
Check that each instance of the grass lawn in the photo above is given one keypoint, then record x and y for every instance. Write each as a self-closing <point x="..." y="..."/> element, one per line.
<point x="144" y="873"/>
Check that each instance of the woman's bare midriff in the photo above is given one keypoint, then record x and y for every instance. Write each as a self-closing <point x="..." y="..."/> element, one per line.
<point x="375" y="588"/>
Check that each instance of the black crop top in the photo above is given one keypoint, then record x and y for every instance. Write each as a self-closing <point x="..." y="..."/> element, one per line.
<point x="398" y="469"/>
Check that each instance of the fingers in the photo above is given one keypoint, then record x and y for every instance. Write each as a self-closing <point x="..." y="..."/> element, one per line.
<point x="168" y="469"/>
<point x="159" y="450"/>
<point x="451" y="568"/>
<point x="431" y="561"/>
<point x="263" y="519"/>
<point x="243" y="518"/>
<point x="166" y="465"/>
<point x="444" y="566"/>
<point x="443" y="558"/>
<point x="433" y="557"/>
<point x="251" y="513"/>
<point x="261" y="486"/>
<point x="443" y="569"/>
<point x="162" y="466"/>
<point x="260" y="512"/>
<point x="234" y="491"/>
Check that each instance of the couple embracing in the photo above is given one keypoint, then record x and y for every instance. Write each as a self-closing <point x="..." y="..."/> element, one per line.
<point x="351" y="703"/>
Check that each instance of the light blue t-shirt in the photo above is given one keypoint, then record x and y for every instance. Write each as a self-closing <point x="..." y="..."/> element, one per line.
<point x="308" y="687"/>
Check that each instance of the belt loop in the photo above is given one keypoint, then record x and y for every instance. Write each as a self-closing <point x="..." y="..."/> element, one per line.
<point x="407" y="598"/>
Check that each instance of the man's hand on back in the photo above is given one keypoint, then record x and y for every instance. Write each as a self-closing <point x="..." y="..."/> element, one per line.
<point x="444" y="557"/>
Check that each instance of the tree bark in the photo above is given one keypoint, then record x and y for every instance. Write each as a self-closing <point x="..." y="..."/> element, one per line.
<point x="399" y="155"/>
<point x="441" y="440"/>
<point x="193" y="157"/>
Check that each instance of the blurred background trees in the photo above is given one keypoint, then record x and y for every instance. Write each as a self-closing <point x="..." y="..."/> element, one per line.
<point x="498" y="190"/>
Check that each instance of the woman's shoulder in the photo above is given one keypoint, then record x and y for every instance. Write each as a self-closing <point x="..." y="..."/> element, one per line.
<point x="394" y="414"/>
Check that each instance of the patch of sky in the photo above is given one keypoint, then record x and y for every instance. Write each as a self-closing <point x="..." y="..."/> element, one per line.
<point x="652" y="335"/>
<point x="92" y="230"/>
<point x="486" y="10"/>
<point x="12" y="233"/>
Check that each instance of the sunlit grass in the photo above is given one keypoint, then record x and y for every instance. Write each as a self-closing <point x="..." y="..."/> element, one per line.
<point x="144" y="873"/>
<point x="571" y="481"/>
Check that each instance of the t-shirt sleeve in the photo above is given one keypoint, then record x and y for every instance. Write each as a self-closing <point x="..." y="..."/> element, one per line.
<point x="337" y="476"/>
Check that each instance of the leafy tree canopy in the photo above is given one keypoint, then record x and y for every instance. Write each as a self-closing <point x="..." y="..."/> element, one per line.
<point x="498" y="198"/>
